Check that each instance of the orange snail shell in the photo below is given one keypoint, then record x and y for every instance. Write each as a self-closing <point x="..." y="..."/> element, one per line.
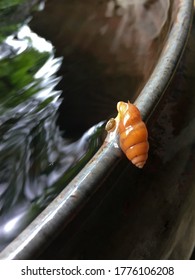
<point x="133" y="133"/>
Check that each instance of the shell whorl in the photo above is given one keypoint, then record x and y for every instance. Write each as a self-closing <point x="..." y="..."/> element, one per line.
<point x="133" y="133"/>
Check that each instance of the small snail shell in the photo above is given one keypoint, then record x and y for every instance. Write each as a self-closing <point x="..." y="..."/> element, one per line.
<point x="132" y="131"/>
<point x="111" y="124"/>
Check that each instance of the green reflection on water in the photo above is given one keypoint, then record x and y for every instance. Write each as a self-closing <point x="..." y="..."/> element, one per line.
<point x="18" y="74"/>
<point x="10" y="16"/>
<point x="36" y="162"/>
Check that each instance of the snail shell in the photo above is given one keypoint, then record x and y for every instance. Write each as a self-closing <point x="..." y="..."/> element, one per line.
<point x="132" y="131"/>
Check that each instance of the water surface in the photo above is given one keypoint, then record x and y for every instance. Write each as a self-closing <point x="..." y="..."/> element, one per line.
<point x="36" y="162"/>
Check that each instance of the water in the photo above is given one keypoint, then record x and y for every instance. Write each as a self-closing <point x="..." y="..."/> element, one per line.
<point x="36" y="162"/>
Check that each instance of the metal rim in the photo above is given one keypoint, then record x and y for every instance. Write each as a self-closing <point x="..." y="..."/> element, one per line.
<point x="69" y="202"/>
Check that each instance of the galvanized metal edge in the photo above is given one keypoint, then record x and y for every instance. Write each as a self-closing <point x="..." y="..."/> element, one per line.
<point x="62" y="210"/>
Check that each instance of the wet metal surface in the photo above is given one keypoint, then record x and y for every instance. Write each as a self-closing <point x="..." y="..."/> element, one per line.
<point x="122" y="43"/>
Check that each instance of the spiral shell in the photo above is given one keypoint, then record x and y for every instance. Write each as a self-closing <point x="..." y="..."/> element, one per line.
<point x="133" y="135"/>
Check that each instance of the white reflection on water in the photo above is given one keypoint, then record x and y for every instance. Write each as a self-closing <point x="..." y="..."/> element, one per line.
<point x="26" y="38"/>
<point x="34" y="157"/>
<point x="11" y="224"/>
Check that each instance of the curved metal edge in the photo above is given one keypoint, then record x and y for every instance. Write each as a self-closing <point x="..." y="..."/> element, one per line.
<point x="153" y="91"/>
<point x="64" y="207"/>
<point x="69" y="202"/>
